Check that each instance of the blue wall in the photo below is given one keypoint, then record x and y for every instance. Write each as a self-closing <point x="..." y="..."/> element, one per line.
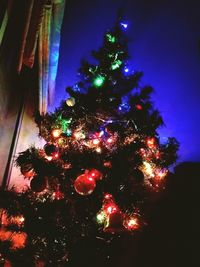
<point x="164" y="38"/>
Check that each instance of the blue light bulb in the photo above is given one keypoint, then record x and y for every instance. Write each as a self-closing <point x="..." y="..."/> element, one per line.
<point x="124" y="107"/>
<point x="126" y="69"/>
<point x="124" y="25"/>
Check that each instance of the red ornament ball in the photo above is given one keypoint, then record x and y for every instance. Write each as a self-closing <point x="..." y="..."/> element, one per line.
<point x="38" y="184"/>
<point x="50" y="149"/>
<point x="84" y="184"/>
<point x="27" y="170"/>
<point x="95" y="174"/>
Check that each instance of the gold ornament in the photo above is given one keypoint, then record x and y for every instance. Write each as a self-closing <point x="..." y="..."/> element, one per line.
<point x="70" y="101"/>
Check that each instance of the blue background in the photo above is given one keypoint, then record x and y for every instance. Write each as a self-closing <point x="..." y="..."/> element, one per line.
<point x="164" y="44"/>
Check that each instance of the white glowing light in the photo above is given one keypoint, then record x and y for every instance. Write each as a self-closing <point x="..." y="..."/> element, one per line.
<point x="148" y="169"/>
<point x="132" y="222"/>
<point x="96" y="141"/>
<point x="110" y="140"/>
<point x="98" y="150"/>
<point x="101" y="217"/>
<point x="56" y="133"/>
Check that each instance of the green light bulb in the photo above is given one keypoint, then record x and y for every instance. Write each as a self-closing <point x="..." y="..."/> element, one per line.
<point x="100" y="217"/>
<point x="116" y="64"/>
<point x="98" y="81"/>
<point x="111" y="38"/>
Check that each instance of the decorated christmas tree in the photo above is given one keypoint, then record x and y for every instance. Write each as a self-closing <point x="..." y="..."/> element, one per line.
<point x="100" y="168"/>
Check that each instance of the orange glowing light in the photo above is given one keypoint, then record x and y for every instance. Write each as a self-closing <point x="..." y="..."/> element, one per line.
<point x="151" y="142"/>
<point x="56" y="133"/>
<point x="96" y="141"/>
<point x="18" y="239"/>
<point x="98" y="150"/>
<point x="131" y="223"/>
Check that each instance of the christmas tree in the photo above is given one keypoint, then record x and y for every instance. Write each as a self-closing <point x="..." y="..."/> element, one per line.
<point x="100" y="168"/>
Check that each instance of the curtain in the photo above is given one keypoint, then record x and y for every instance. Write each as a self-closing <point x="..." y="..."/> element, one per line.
<point x="5" y="9"/>
<point x="42" y="30"/>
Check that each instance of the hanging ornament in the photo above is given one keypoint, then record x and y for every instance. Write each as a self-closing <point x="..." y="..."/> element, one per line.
<point x="56" y="133"/>
<point x="27" y="170"/>
<point x="50" y="149"/>
<point x="70" y="101"/>
<point x="95" y="174"/>
<point x="113" y="221"/>
<point x="84" y="184"/>
<point x="38" y="184"/>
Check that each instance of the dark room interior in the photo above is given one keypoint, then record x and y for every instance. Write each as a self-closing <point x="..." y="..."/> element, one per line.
<point x="99" y="133"/>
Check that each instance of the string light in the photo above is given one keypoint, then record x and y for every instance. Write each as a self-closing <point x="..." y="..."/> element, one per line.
<point x="68" y="132"/>
<point x="98" y="150"/>
<point x="148" y="169"/>
<point x="116" y="64"/>
<point x="124" y="107"/>
<point x="111" y="208"/>
<point x="56" y="133"/>
<point x="79" y="135"/>
<point x="49" y="158"/>
<point x="110" y="140"/>
<point x="108" y="196"/>
<point x="96" y="141"/>
<point x="138" y="107"/>
<point x="151" y="142"/>
<point x="126" y="69"/>
<point x="124" y="25"/>
<point x="56" y="155"/>
<point x="131" y="223"/>
<point x="101" y="217"/>
<point x="99" y="81"/>
<point x="111" y="38"/>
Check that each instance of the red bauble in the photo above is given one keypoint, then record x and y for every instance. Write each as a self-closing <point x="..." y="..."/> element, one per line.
<point x="95" y="174"/>
<point x="27" y="170"/>
<point x="38" y="184"/>
<point x="84" y="184"/>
